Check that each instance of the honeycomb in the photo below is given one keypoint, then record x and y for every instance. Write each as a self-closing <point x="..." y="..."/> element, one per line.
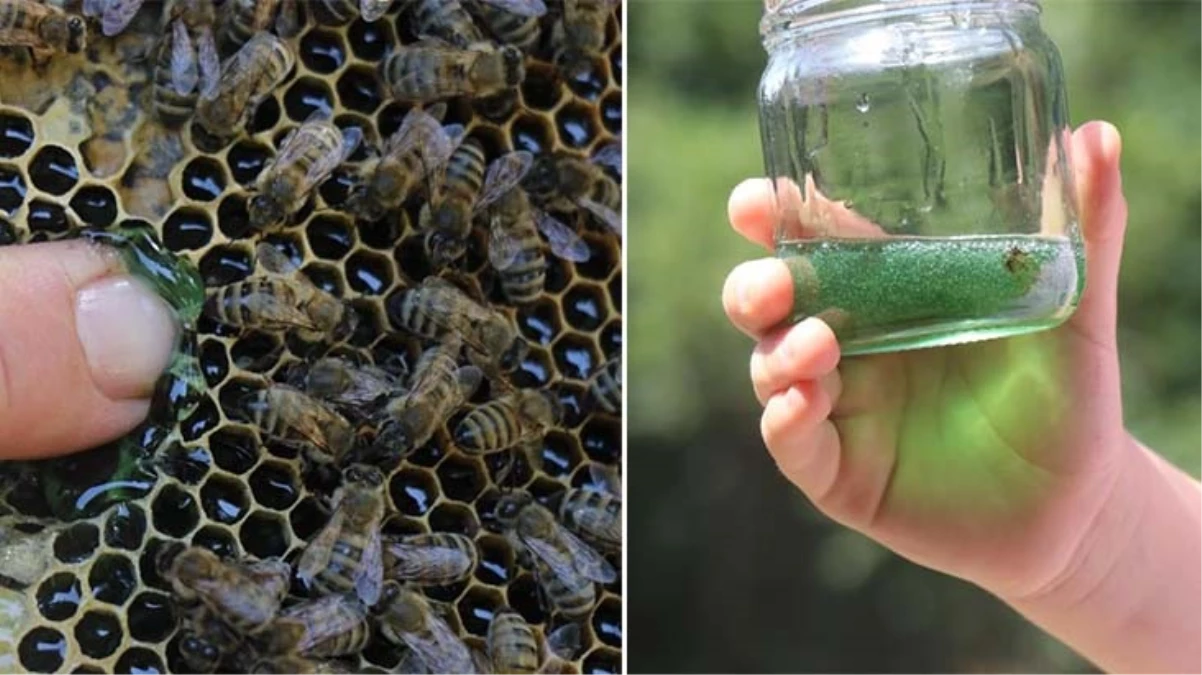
<point x="79" y="149"/>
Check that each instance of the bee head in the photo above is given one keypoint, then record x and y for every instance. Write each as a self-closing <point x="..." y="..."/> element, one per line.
<point x="515" y="352"/>
<point x="510" y="507"/>
<point x="363" y="474"/>
<point x="515" y="65"/>
<point x="199" y="654"/>
<point x="166" y="557"/>
<point x="265" y="210"/>
<point x="542" y="179"/>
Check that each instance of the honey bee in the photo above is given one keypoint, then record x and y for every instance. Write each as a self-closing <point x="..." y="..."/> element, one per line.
<point x="307" y="156"/>
<point x="280" y="300"/>
<point x="467" y="189"/>
<point x="345" y="384"/>
<point x="292" y="418"/>
<point x="437" y="308"/>
<point x="519" y="418"/>
<point x="512" y="22"/>
<point x="243" y="19"/>
<point x="416" y="151"/>
<point x="432" y="70"/>
<point x="114" y="15"/>
<point x="445" y="20"/>
<point x="342" y="12"/>
<point x="564" y="566"/>
<point x="187" y="61"/>
<point x="206" y="642"/>
<point x="46" y="30"/>
<point x="579" y="34"/>
<point x="407" y="618"/>
<point x="298" y="665"/>
<point x="595" y="511"/>
<point x="247" y="77"/>
<point x="346" y="555"/>
<point x="434" y="559"/>
<point x="564" y="181"/>
<point x="439" y="386"/>
<point x="515" y="250"/>
<point x="514" y="647"/>
<point x="605" y="386"/>
<point x="244" y="596"/>
<point x="332" y="625"/>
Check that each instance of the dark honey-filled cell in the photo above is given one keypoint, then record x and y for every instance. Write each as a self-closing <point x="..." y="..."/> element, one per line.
<point x="603" y="259"/>
<point x="411" y="258"/>
<point x="390" y="118"/>
<point x="307" y="518"/>
<point x="611" y="112"/>
<point x="174" y="512"/>
<point x="575" y="356"/>
<point x="368" y="273"/>
<point x="47" y="216"/>
<point x="151" y="617"/>
<point x="461" y="478"/>
<point x="369" y="41"/>
<point x="53" y="170"/>
<point x="523" y="596"/>
<point x="112" y="578"/>
<point x="450" y="517"/>
<point x="330" y="237"/>
<point x="98" y="634"/>
<point x="86" y="669"/>
<point x="611" y="339"/>
<point x="589" y="81"/>
<point x="496" y="560"/>
<point x="234" y="449"/>
<point x="203" y="179"/>
<point x="506" y="468"/>
<point x="187" y="229"/>
<point x="256" y="352"/>
<point x="535" y="370"/>
<point x="224" y="499"/>
<point x="246" y="159"/>
<point x="539" y="321"/>
<point x="615" y="292"/>
<point x="224" y="264"/>
<point x="359" y="90"/>
<point x="584" y="306"/>
<point x="264" y="534"/>
<point x="12" y="189"/>
<point x="214" y="362"/>
<point x="559" y="275"/>
<point x="601" y="439"/>
<point x="42" y="650"/>
<point x="532" y="134"/>
<point x="266" y="116"/>
<point x="603" y="662"/>
<point x="218" y="539"/>
<point x="546" y="491"/>
<point x="577" y="125"/>
<point x="95" y="205"/>
<point x="187" y="464"/>
<point x="322" y="51"/>
<point x="476" y="609"/>
<point x="542" y="88"/>
<point x="203" y="420"/>
<point x="413" y="491"/>
<point x="233" y="218"/>
<point x="607" y="622"/>
<point x="335" y="190"/>
<point x="140" y="661"/>
<point x="125" y="527"/>
<point x="58" y="596"/>
<point x="560" y="454"/>
<point x="76" y="543"/>
<point x="16" y="135"/>
<point x="274" y="486"/>
<point x="325" y="277"/>
<point x="305" y="96"/>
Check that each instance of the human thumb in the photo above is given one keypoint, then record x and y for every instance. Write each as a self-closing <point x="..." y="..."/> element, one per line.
<point x="81" y="345"/>
<point x="1096" y="150"/>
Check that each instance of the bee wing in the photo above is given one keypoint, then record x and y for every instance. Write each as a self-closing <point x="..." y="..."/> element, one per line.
<point x="605" y="478"/>
<point x="564" y="641"/>
<point x="610" y="217"/>
<point x="372" y="10"/>
<point x="210" y="62"/>
<point x="117" y="15"/>
<point x="369" y="580"/>
<point x="503" y="175"/>
<point x="579" y="560"/>
<point x="610" y="156"/>
<point x="351" y="138"/>
<point x="564" y="241"/>
<point x="532" y="8"/>
<point x="503" y="247"/>
<point x="445" y="652"/>
<point x="184" y="69"/>
<point x="287" y="22"/>
<point x="273" y="260"/>
<point x="277" y="313"/>
<point x="317" y="554"/>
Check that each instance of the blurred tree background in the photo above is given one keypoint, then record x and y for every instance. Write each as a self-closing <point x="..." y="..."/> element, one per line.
<point x="731" y="569"/>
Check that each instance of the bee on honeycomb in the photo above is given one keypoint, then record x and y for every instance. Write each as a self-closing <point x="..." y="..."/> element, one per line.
<point x="287" y="174"/>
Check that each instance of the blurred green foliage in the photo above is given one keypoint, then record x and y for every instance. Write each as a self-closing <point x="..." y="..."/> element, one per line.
<point x="731" y="569"/>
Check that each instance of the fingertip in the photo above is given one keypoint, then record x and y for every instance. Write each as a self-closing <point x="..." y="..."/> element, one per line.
<point x="758" y="295"/>
<point x="751" y="210"/>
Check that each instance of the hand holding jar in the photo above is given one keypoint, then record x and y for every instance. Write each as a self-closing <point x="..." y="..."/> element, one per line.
<point x="1001" y="461"/>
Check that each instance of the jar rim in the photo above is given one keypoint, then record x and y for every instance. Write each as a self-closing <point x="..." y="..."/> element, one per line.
<point x="786" y="15"/>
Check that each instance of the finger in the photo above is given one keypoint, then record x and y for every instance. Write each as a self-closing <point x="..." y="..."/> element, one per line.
<point x="752" y="210"/>
<point x="804" y="444"/>
<point x="81" y="345"/>
<point x="1096" y="154"/>
<point x="758" y="296"/>
<point x="806" y="351"/>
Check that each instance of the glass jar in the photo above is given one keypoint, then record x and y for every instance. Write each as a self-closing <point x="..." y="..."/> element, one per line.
<point x="919" y="154"/>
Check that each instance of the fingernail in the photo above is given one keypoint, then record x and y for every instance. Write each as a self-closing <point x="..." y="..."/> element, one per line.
<point x="127" y="333"/>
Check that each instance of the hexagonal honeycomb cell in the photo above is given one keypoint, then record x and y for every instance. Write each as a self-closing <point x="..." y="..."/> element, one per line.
<point x="81" y="151"/>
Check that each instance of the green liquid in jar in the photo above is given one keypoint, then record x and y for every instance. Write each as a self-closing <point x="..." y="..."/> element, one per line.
<point x="896" y="293"/>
